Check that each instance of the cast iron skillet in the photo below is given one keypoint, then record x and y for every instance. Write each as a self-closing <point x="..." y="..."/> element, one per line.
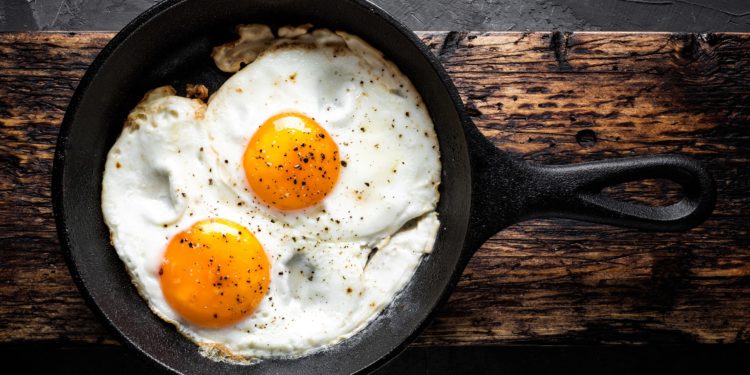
<point x="483" y="189"/>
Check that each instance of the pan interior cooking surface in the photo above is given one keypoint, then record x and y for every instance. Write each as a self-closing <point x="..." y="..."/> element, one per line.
<point x="320" y="152"/>
<point x="169" y="45"/>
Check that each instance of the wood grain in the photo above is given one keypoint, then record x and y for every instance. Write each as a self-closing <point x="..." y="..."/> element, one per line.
<point x="548" y="97"/>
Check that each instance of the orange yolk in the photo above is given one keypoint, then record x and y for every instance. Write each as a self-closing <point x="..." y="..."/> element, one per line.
<point x="291" y="162"/>
<point x="215" y="273"/>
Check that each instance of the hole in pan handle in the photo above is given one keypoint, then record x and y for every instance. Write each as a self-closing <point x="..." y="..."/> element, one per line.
<point x="575" y="191"/>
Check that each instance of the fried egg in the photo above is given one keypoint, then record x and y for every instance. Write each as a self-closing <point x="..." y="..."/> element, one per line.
<point x="286" y="213"/>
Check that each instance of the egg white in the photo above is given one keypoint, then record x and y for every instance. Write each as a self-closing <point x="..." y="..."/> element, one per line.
<point x="335" y="266"/>
<point x="373" y="113"/>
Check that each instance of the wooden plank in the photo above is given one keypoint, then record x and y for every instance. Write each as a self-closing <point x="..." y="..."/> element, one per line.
<point x="547" y="97"/>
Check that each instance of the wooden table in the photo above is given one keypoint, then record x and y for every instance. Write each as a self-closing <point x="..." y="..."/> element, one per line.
<point x="547" y="97"/>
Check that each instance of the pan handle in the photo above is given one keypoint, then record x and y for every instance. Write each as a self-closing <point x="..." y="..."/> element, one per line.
<point x="575" y="191"/>
<point x="506" y="190"/>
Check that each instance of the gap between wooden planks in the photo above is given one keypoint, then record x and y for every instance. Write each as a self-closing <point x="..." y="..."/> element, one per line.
<point x="547" y="97"/>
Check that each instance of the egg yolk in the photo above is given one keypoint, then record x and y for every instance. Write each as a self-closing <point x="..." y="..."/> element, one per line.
<point x="215" y="273"/>
<point x="291" y="162"/>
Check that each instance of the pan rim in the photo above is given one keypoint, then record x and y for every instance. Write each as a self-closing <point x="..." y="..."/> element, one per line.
<point x="62" y="144"/>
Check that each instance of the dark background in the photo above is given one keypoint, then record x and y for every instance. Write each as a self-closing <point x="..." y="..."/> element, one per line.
<point x="498" y="15"/>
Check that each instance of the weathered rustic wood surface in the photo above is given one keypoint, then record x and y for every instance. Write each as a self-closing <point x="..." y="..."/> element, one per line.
<point x="547" y="97"/>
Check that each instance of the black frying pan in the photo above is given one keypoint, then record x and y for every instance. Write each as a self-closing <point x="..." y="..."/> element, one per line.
<point x="483" y="189"/>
